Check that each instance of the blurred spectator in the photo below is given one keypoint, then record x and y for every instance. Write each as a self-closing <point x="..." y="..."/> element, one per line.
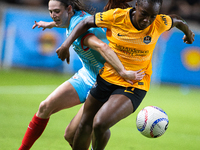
<point x="188" y="9"/>
<point x="31" y="3"/>
<point x="28" y="2"/>
<point x="95" y="5"/>
<point x="98" y="5"/>
<point x="166" y="6"/>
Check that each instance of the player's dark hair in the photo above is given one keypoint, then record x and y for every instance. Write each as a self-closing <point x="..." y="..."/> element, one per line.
<point x="76" y="4"/>
<point x="117" y="4"/>
<point x="139" y="2"/>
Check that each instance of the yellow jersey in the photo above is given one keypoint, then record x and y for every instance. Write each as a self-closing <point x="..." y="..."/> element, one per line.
<point x="133" y="47"/>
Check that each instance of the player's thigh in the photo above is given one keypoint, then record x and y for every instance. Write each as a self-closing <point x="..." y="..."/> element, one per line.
<point x="116" y="108"/>
<point x="64" y="96"/>
<point x="91" y="107"/>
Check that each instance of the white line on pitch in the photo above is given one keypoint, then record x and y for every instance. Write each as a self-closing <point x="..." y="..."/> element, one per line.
<point x="27" y="89"/>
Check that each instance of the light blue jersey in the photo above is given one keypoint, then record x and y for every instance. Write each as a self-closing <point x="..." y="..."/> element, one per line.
<point x="91" y="60"/>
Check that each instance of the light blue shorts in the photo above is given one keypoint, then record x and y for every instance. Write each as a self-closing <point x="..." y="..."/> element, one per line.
<point x="82" y="85"/>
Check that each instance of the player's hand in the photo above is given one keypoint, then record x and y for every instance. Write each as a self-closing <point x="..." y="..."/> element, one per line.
<point x="43" y="24"/>
<point x="189" y="39"/>
<point x="63" y="53"/>
<point x="131" y="76"/>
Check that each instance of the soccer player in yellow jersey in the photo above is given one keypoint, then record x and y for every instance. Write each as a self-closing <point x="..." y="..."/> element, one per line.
<point x="132" y="33"/>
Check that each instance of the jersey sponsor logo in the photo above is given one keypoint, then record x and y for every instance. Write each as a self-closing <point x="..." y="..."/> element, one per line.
<point x="132" y="51"/>
<point x="164" y="20"/>
<point x="147" y="39"/>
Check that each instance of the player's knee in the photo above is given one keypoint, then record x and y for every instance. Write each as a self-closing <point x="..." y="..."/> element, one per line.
<point x="65" y="136"/>
<point x="99" y="127"/>
<point x="68" y="138"/>
<point x="44" y="109"/>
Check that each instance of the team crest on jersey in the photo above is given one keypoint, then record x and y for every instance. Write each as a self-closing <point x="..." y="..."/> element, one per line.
<point x="147" y="39"/>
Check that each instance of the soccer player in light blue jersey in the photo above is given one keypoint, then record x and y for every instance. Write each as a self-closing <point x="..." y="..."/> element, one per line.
<point x="90" y="47"/>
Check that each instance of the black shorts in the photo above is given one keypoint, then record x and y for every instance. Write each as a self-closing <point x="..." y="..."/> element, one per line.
<point x="102" y="90"/>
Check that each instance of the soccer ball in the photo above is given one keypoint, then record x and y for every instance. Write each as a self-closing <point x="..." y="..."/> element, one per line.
<point x="152" y="121"/>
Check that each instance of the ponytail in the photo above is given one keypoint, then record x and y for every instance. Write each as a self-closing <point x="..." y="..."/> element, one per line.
<point x="117" y="4"/>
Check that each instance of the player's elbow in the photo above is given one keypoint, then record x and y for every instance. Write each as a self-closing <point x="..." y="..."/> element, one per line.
<point x="88" y="22"/>
<point x="103" y="48"/>
<point x="178" y="21"/>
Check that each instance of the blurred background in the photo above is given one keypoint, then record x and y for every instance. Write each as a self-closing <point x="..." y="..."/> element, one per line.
<point x="22" y="47"/>
<point x="30" y="70"/>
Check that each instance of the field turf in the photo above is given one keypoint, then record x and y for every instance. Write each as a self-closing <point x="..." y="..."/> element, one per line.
<point x="21" y="92"/>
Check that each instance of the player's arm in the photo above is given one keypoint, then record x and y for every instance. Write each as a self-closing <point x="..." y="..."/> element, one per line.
<point x="179" y="23"/>
<point x="44" y="25"/>
<point x="96" y="44"/>
<point x="82" y="27"/>
<point x="111" y="57"/>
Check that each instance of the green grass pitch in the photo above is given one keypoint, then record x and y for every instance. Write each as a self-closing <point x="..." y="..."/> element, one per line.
<point x="22" y="91"/>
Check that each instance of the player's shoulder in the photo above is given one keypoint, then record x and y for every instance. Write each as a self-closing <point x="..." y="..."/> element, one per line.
<point x="117" y="11"/>
<point x="163" y="22"/>
<point x="163" y="19"/>
<point x="120" y="11"/>
<point x="119" y="14"/>
<point x="78" y="17"/>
